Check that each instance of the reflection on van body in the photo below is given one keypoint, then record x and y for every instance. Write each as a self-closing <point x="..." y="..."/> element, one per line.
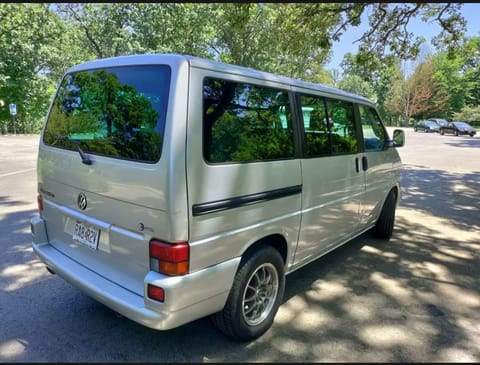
<point x="173" y="187"/>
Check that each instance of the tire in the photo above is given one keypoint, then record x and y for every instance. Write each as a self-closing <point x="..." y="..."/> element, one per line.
<point x="456" y="133"/>
<point x="263" y="270"/>
<point x="384" y="226"/>
<point x="442" y="132"/>
<point x="414" y="129"/>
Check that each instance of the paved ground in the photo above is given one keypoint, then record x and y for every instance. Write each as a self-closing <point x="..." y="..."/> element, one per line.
<point x="415" y="298"/>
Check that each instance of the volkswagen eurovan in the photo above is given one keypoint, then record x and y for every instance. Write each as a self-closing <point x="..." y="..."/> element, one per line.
<point x="171" y="187"/>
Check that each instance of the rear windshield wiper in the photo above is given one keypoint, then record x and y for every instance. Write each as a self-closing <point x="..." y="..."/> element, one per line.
<point x="85" y="159"/>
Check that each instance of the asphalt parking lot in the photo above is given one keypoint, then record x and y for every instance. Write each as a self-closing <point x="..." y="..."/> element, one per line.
<point x="415" y="298"/>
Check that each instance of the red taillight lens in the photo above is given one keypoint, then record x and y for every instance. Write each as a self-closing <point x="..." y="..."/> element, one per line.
<point x="40" y="203"/>
<point x="169" y="258"/>
<point x="156" y="293"/>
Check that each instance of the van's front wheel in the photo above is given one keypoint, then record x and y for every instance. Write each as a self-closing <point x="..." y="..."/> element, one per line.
<point x="384" y="226"/>
<point x="255" y="296"/>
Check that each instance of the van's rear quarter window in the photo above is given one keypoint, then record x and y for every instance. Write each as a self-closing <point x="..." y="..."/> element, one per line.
<point x="117" y="112"/>
<point x="245" y="122"/>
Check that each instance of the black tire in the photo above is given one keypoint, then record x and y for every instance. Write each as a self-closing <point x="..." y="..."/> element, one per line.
<point x="441" y="132"/>
<point x="456" y="133"/>
<point x="384" y="226"/>
<point x="414" y="129"/>
<point x="264" y="270"/>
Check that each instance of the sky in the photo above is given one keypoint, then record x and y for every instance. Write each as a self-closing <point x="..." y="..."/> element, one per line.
<point x="470" y="11"/>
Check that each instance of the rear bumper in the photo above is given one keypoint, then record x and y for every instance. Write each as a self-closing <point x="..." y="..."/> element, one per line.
<point x="187" y="297"/>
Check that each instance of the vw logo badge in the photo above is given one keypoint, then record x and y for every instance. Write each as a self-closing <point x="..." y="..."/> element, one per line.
<point x="82" y="201"/>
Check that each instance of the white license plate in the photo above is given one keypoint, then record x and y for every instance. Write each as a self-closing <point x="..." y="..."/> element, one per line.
<point x="86" y="235"/>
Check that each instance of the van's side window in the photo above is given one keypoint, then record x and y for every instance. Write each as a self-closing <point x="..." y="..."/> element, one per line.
<point x="342" y="126"/>
<point x="373" y="131"/>
<point x="245" y="122"/>
<point x="316" y="125"/>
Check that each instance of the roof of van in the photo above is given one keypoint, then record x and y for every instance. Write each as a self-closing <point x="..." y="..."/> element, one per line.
<point x="214" y="65"/>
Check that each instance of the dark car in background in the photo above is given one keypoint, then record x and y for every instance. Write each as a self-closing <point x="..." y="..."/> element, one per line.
<point x="427" y="126"/>
<point x="441" y="122"/>
<point x="458" y="128"/>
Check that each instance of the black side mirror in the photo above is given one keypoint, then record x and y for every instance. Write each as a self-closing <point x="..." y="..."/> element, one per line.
<point x="398" y="138"/>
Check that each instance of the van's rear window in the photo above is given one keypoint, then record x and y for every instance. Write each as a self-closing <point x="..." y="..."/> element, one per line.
<point x="117" y="112"/>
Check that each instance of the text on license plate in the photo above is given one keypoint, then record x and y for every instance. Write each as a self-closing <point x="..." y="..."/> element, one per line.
<point x="86" y="235"/>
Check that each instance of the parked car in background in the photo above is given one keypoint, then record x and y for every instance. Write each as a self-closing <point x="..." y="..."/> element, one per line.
<point x="427" y="126"/>
<point x="439" y="121"/>
<point x="458" y="128"/>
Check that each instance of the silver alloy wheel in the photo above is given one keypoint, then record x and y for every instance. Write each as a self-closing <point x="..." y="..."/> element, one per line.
<point x="260" y="294"/>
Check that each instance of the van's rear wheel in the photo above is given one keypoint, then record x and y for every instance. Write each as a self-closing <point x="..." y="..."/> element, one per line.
<point x="384" y="226"/>
<point x="256" y="294"/>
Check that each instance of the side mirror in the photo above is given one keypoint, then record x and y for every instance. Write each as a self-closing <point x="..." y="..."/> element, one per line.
<point x="398" y="138"/>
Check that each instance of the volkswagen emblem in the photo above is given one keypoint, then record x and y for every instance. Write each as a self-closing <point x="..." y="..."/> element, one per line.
<point x="82" y="201"/>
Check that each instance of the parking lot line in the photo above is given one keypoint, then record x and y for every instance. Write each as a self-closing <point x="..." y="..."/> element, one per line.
<point x="17" y="172"/>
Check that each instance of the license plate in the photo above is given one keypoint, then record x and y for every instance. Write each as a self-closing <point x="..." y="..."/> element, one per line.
<point x="86" y="235"/>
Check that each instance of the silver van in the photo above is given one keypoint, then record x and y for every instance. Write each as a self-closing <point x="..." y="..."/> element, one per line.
<point x="172" y="188"/>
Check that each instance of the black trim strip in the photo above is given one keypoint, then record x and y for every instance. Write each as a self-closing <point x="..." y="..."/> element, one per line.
<point x="240" y="201"/>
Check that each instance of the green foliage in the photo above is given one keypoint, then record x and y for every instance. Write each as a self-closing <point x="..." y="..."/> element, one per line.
<point x="355" y="84"/>
<point x="468" y="114"/>
<point x="470" y="68"/>
<point x="28" y="31"/>
<point x="40" y="41"/>
<point x="106" y="27"/>
<point x="398" y="97"/>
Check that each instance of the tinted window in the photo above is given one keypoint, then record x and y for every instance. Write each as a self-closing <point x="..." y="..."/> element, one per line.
<point x="373" y="131"/>
<point x="342" y="126"/>
<point x="244" y="122"/>
<point x="117" y="112"/>
<point x="315" y="123"/>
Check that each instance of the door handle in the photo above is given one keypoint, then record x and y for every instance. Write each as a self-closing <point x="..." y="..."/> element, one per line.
<point x="357" y="167"/>
<point x="364" y="163"/>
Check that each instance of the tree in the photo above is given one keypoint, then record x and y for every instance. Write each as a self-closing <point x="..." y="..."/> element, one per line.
<point x="106" y="27"/>
<point x="40" y="41"/>
<point x="470" y="69"/>
<point x="355" y="84"/>
<point x="114" y="29"/>
<point x="290" y="39"/>
<point x="25" y="55"/>
<point x="427" y="95"/>
<point x="269" y="37"/>
<point x="398" y="100"/>
<point x="468" y="114"/>
<point x="173" y="28"/>
<point x="388" y="33"/>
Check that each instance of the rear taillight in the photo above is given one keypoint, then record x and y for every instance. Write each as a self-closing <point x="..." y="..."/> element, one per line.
<point x="40" y="203"/>
<point x="169" y="258"/>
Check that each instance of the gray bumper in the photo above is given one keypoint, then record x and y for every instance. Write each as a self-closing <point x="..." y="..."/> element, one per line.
<point x="187" y="297"/>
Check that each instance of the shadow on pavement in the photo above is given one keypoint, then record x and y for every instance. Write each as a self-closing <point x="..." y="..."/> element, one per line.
<point x="411" y="299"/>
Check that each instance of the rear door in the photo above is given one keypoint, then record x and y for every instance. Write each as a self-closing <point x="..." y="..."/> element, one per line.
<point x="104" y="169"/>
